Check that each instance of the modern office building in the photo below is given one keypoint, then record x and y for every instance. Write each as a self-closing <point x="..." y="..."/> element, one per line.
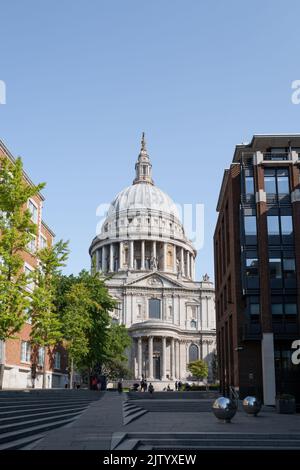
<point x="149" y="262"/>
<point x="17" y="355"/>
<point x="257" y="268"/>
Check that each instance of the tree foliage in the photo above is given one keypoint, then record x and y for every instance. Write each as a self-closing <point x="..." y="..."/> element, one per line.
<point x="198" y="369"/>
<point x="16" y="231"/>
<point x="92" y="339"/>
<point x="46" y="328"/>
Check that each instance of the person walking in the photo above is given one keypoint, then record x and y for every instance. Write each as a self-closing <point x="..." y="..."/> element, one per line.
<point x="151" y="388"/>
<point x="120" y="386"/>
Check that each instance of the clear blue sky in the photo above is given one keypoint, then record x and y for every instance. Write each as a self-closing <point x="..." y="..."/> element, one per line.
<point x="85" y="78"/>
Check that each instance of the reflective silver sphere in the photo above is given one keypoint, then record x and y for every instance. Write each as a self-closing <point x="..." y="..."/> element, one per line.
<point x="251" y="405"/>
<point x="224" y="408"/>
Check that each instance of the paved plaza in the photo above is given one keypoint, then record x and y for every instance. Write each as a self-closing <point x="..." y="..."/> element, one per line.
<point x="140" y="421"/>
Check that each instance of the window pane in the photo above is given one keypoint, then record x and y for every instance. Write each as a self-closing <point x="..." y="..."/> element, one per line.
<point x="270" y="184"/>
<point x="249" y="185"/>
<point x="57" y="360"/>
<point x="275" y="268"/>
<point x="193" y="353"/>
<point x="286" y="225"/>
<point x="250" y="225"/>
<point x="291" y="309"/>
<point x="251" y="267"/>
<point x="254" y="309"/>
<point x="33" y="210"/>
<point x="282" y="172"/>
<point x="154" y="308"/>
<point x="273" y="225"/>
<point x="289" y="267"/>
<point x="41" y="356"/>
<point x="277" y="309"/>
<point x="283" y="185"/>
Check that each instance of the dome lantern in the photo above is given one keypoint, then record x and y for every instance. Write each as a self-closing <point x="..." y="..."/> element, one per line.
<point x="143" y="167"/>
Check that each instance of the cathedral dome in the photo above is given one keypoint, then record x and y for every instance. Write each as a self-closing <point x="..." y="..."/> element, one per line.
<point x="144" y="196"/>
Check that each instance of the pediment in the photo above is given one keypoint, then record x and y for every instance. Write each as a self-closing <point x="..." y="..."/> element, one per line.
<point x="156" y="280"/>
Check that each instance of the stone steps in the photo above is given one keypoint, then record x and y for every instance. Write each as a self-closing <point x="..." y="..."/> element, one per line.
<point x="169" y="406"/>
<point x="196" y="395"/>
<point x="180" y="440"/>
<point x="26" y="417"/>
<point x="131" y="412"/>
<point x="17" y="416"/>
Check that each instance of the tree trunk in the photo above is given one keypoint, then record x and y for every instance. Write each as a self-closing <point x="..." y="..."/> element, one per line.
<point x="44" y="370"/>
<point x="71" y="373"/>
<point x="2" y="363"/>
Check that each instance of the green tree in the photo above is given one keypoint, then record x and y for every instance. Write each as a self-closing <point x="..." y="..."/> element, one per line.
<point x="103" y="341"/>
<point x="76" y="324"/>
<point x="198" y="369"/>
<point x="115" y="370"/>
<point x="16" y="231"/>
<point x="46" y="328"/>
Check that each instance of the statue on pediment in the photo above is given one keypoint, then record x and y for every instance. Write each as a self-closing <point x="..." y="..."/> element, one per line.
<point x="153" y="263"/>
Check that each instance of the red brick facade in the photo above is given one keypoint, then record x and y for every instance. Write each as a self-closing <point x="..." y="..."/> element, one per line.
<point x="17" y="372"/>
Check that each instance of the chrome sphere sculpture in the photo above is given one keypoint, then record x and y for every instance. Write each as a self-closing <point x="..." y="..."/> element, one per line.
<point x="224" y="409"/>
<point x="252" y="405"/>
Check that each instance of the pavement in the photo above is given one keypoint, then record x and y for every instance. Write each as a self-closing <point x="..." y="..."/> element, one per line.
<point x="108" y="421"/>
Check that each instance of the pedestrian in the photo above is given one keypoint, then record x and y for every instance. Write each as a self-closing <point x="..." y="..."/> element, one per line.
<point x="151" y="388"/>
<point x="94" y="383"/>
<point x="120" y="386"/>
<point x="176" y="385"/>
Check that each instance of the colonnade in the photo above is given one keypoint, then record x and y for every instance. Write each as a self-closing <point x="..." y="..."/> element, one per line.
<point x="145" y="364"/>
<point x="145" y="255"/>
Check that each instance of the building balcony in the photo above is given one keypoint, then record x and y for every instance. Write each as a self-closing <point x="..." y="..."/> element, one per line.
<point x="277" y="157"/>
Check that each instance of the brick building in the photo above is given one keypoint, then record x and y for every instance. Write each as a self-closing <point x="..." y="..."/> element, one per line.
<point x="257" y="268"/>
<point x="17" y="354"/>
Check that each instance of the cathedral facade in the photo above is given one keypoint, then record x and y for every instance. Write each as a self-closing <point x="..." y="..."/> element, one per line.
<point x="150" y="267"/>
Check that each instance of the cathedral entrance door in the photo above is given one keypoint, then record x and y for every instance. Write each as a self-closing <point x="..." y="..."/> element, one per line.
<point x="156" y="367"/>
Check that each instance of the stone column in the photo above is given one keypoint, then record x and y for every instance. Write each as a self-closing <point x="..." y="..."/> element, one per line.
<point x="191" y="266"/>
<point x="150" y="357"/>
<point x="121" y="254"/>
<point x="172" y="359"/>
<point x="177" y="355"/>
<point x="143" y="254"/>
<point x="97" y="260"/>
<point x="188" y="270"/>
<point x="154" y="249"/>
<point x="104" y="267"/>
<point x="164" y="257"/>
<point x="131" y="254"/>
<point x="140" y="358"/>
<point x="174" y="259"/>
<point x="182" y="261"/>
<point x="111" y="257"/>
<point x="164" y="356"/>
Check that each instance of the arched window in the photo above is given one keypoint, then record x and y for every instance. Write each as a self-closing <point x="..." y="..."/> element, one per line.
<point x="154" y="308"/>
<point x="193" y="353"/>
